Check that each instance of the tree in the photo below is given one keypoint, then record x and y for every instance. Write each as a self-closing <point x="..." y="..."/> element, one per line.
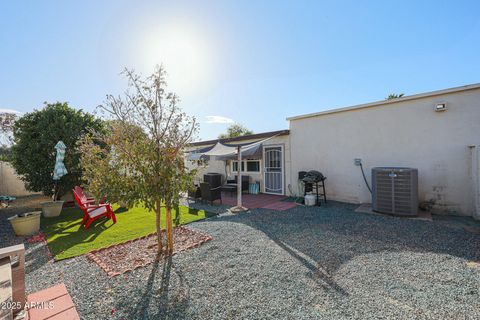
<point x="394" y="96"/>
<point x="35" y="135"/>
<point x="143" y="160"/>
<point x="5" y="153"/>
<point x="7" y="119"/>
<point x="235" y="130"/>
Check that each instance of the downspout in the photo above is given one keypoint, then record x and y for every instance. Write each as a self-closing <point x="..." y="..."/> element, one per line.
<point x="475" y="158"/>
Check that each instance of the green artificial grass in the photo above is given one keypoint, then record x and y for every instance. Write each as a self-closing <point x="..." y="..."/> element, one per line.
<point x="67" y="238"/>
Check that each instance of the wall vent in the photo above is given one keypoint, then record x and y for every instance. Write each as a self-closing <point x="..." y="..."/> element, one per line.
<point x="395" y="190"/>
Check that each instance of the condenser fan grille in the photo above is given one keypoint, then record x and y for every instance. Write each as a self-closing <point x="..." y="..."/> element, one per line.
<point x="395" y="190"/>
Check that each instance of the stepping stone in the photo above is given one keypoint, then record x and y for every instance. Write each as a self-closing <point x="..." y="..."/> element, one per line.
<point x="53" y="303"/>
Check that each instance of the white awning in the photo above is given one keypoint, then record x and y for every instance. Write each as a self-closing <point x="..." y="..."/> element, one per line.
<point x="193" y="156"/>
<point x="198" y="154"/>
<point x="228" y="150"/>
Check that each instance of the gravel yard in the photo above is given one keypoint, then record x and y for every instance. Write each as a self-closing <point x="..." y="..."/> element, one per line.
<point x="303" y="263"/>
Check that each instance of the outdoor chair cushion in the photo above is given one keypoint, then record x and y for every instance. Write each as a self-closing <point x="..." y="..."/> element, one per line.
<point x="96" y="212"/>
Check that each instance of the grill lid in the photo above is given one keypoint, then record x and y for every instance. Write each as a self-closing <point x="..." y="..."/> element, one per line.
<point x="313" y="176"/>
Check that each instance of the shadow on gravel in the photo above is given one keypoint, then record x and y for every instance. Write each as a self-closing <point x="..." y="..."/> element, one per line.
<point x="37" y="255"/>
<point x="160" y="299"/>
<point x="326" y="281"/>
<point x="333" y="234"/>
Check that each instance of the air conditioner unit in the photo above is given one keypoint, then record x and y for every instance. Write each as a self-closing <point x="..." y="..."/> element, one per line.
<point x="395" y="190"/>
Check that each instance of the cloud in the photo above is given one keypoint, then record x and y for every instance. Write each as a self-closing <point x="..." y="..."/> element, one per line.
<point x="2" y="110"/>
<point x="219" y="119"/>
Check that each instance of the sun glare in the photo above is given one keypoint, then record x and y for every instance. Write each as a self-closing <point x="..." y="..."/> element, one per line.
<point x="185" y="54"/>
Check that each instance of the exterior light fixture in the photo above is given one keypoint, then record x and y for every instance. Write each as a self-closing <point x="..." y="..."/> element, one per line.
<point x="439" y="107"/>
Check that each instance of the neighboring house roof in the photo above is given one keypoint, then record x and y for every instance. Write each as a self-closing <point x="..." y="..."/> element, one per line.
<point x="387" y="102"/>
<point x="248" y="137"/>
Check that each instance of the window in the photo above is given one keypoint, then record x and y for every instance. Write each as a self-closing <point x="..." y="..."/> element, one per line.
<point x="251" y="165"/>
<point x="235" y="166"/>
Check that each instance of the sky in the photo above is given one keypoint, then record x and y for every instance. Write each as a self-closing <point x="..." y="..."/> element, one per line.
<point x="251" y="62"/>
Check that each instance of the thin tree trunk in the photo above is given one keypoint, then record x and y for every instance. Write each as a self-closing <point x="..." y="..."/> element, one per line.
<point x="169" y="230"/>
<point x="159" y="229"/>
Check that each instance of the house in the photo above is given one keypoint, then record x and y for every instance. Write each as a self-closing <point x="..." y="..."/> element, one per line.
<point x="269" y="164"/>
<point x="436" y="132"/>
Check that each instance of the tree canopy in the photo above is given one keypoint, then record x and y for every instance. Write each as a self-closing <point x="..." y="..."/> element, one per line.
<point x="394" y="96"/>
<point x="235" y="130"/>
<point x="143" y="160"/>
<point x="7" y="119"/>
<point x="35" y="135"/>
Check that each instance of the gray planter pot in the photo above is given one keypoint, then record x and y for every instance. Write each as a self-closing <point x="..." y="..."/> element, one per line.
<point x="26" y="224"/>
<point x="52" y="208"/>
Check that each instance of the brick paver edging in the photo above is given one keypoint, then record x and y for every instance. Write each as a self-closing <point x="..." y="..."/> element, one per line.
<point x="91" y="255"/>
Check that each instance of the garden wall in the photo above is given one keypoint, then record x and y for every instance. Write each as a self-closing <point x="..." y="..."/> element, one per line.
<point x="10" y="182"/>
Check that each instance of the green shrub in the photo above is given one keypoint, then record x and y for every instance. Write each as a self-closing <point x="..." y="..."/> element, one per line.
<point x="35" y="135"/>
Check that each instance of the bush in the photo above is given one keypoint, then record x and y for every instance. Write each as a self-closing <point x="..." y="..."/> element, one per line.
<point x="5" y="153"/>
<point x="35" y="136"/>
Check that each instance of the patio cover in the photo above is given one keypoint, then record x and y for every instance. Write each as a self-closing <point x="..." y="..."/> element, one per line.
<point x="223" y="151"/>
<point x="198" y="154"/>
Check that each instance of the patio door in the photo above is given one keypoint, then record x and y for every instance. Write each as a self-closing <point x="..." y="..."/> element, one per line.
<point x="273" y="162"/>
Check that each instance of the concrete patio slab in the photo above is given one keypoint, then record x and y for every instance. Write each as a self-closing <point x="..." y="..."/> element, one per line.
<point x="367" y="208"/>
<point x="262" y="200"/>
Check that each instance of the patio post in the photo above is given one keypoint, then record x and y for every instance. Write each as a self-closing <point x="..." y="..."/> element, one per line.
<point x="239" y="207"/>
<point x="239" y="177"/>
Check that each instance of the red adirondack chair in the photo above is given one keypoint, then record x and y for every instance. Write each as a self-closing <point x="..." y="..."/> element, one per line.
<point x="92" y="212"/>
<point x="79" y="191"/>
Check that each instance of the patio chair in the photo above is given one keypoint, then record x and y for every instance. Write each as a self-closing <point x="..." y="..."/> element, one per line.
<point x="194" y="193"/>
<point x="79" y="191"/>
<point x="245" y="182"/>
<point x="92" y="212"/>
<point x="210" y="194"/>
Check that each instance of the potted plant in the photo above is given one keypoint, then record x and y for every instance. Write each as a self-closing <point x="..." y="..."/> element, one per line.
<point x="25" y="224"/>
<point x="52" y="208"/>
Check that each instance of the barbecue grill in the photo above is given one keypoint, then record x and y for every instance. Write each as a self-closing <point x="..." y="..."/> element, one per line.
<point x="313" y="180"/>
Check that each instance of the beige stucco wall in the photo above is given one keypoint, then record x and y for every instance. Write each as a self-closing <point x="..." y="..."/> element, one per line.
<point x="210" y="166"/>
<point x="226" y="171"/>
<point x="405" y="133"/>
<point x="10" y="183"/>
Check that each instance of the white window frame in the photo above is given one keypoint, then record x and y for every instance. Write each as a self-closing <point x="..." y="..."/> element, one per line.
<point x="245" y="165"/>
